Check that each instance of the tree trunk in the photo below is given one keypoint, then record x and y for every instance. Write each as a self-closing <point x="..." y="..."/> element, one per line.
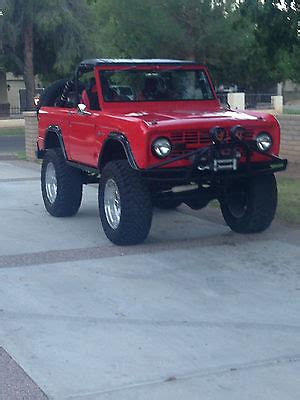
<point x="28" y="63"/>
<point x="4" y="105"/>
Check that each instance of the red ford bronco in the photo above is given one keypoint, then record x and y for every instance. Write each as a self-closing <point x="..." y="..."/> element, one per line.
<point x="153" y="133"/>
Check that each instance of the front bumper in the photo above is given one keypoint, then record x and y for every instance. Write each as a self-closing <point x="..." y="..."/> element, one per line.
<point x="210" y="162"/>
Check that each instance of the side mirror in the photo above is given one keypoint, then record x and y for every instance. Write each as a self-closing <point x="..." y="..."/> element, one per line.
<point x="81" y="109"/>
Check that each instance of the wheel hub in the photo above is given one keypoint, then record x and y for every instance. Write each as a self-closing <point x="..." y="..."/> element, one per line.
<point x="51" y="183"/>
<point x="237" y="204"/>
<point x="112" y="203"/>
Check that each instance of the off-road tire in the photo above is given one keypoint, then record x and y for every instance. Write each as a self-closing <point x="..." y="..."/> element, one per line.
<point x="69" y="185"/>
<point x="167" y="204"/>
<point x="135" y="201"/>
<point x="259" y="204"/>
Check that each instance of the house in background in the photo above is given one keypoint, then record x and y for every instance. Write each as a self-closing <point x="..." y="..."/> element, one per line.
<point x="291" y="93"/>
<point x="10" y="91"/>
<point x="13" y="94"/>
<point x="4" y="104"/>
<point x="15" y="86"/>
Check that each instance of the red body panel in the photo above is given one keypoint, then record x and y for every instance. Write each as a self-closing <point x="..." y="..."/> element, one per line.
<point x="141" y="122"/>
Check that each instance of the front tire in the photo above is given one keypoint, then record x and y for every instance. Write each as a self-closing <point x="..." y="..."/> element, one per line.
<point x="250" y="206"/>
<point x="125" y="205"/>
<point x="61" y="185"/>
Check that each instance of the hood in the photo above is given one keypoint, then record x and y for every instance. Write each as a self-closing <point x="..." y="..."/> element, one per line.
<point x="174" y="117"/>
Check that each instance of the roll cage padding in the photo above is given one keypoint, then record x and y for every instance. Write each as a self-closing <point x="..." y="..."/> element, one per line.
<point x="69" y="86"/>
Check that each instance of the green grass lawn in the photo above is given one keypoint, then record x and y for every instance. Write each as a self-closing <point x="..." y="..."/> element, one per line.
<point x="289" y="200"/>
<point x="291" y="112"/>
<point x="12" y="131"/>
<point x="21" y="155"/>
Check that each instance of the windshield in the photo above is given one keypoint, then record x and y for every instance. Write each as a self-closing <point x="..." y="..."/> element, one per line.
<point x="150" y="85"/>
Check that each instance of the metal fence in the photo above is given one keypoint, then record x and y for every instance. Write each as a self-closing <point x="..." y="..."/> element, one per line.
<point x="7" y="111"/>
<point x="15" y="111"/>
<point x="23" y="99"/>
<point x="11" y="112"/>
<point x="259" y="100"/>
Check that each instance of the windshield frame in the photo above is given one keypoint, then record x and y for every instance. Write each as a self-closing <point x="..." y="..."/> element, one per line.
<point x="154" y="68"/>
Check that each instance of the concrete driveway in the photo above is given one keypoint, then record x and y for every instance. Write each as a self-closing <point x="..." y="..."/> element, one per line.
<point x="197" y="312"/>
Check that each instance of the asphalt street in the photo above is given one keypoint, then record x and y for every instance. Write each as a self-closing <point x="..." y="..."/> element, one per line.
<point x="196" y="312"/>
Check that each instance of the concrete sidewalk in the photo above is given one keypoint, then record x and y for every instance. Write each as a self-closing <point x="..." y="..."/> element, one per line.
<point x="12" y="123"/>
<point x="196" y="312"/>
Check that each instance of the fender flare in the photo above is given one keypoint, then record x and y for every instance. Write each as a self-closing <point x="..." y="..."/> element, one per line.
<point x="120" y="138"/>
<point x="55" y="129"/>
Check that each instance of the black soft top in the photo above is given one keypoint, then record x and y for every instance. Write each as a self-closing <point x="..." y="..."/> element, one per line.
<point x="91" y="63"/>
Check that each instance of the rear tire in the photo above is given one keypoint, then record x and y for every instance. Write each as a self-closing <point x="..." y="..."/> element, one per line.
<point x="125" y="205"/>
<point x="250" y="206"/>
<point x="61" y="185"/>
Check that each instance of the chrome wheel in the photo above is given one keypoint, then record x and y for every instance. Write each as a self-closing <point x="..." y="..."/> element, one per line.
<point x="237" y="204"/>
<point x="112" y="204"/>
<point x="51" y="183"/>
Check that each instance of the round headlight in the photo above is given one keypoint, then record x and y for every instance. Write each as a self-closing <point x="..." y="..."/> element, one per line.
<point x="263" y="141"/>
<point x="161" y="147"/>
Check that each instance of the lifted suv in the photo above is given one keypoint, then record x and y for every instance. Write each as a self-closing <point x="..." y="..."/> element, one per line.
<point x="153" y="133"/>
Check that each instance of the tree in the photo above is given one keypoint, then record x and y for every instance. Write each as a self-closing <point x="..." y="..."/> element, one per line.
<point x="251" y="43"/>
<point x="274" y="54"/>
<point x="195" y="29"/>
<point x="44" y="38"/>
